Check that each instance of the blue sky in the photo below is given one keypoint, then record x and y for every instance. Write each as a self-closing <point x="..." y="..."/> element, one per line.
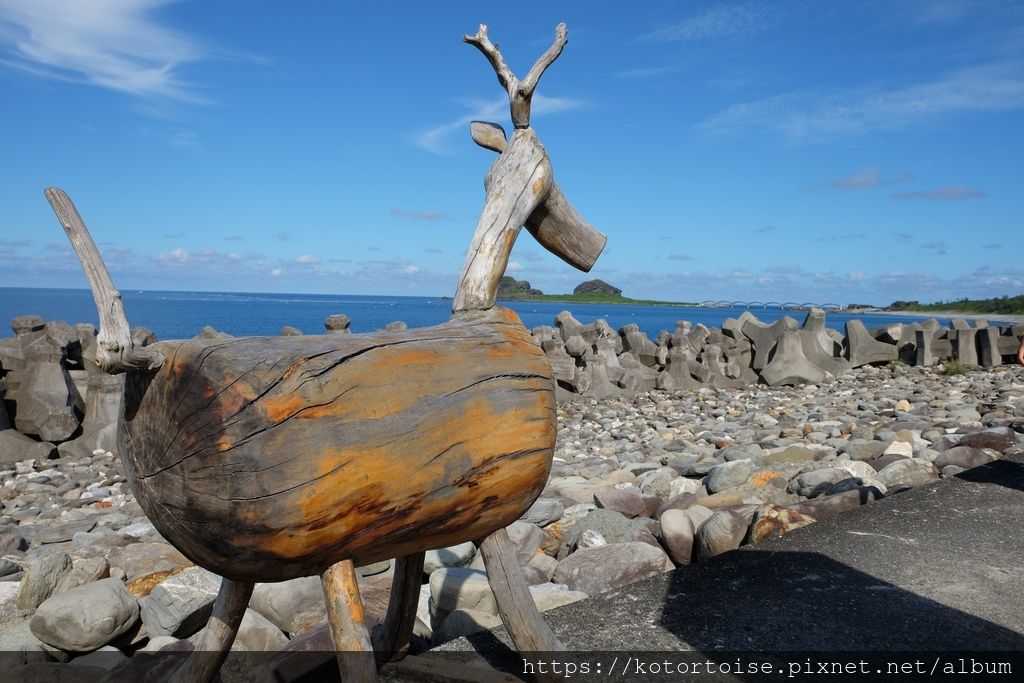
<point x="841" y="151"/>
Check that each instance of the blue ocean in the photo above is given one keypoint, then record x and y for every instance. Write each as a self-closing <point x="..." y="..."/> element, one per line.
<point x="180" y="315"/>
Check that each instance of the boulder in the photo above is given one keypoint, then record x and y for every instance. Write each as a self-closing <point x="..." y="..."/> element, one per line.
<point x="723" y="531"/>
<point x="180" y="605"/>
<point x="677" y="534"/>
<point x="728" y="475"/>
<point x="963" y="456"/>
<point x="604" y="568"/>
<point x="41" y="579"/>
<point x="256" y="633"/>
<point x="453" y="556"/>
<point x="908" y="472"/>
<point x="771" y="520"/>
<point x="86" y="618"/>
<point x="283" y="601"/>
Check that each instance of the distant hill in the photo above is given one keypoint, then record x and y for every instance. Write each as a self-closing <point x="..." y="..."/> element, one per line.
<point x="596" y="287"/>
<point x="510" y="288"/>
<point x="1005" y="305"/>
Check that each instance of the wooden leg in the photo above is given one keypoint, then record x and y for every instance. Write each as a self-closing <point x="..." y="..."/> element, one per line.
<point x="525" y="625"/>
<point x="348" y="627"/>
<point x="203" y="664"/>
<point x="391" y="640"/>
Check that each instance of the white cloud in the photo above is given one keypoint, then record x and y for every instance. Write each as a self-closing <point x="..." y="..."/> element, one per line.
<point x="305" y="260"/>
<point x="115" y="44"/>
<point x="721" y="21"/>
<point x="175" y="256"/>
<point x="275" y="272"/>
<point x="953" y="192"/>
<point x="410" y="269"/>
<point x="810" y="115"/>
<point x="513" y="267"/>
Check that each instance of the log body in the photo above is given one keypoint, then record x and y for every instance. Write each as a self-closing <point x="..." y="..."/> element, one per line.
<point x="267" y="458"/>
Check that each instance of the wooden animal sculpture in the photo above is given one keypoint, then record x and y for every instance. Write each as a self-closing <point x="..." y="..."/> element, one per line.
<point x="270" y="458"/>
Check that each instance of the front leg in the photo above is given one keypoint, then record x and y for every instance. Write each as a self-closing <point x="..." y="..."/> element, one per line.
<point x="348" y="623"/>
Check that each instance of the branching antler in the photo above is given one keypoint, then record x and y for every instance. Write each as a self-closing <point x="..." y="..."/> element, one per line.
<point x="520" y="93"/>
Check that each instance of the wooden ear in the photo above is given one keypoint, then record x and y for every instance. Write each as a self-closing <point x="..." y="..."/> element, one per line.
<point x="488" y="135"/>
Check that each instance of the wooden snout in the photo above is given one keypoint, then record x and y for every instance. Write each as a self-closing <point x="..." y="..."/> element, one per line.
<point x="267" y="458"/>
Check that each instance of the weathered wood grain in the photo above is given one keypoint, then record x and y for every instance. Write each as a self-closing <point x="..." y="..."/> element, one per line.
<point x="115" y="351"/>
<point x="219" y="634"/>
<point x="391" y="641"/>
<point x="267" y="458"/>
<point x="348" y="623"/>
<point x="554" y="223"/>
<point x="518" y="181"/>
<point x="526" y="627"/>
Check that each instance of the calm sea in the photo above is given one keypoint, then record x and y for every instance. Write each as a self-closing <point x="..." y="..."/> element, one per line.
<point x="179" y="315"/>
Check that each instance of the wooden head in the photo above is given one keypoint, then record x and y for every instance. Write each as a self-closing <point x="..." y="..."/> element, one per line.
<point x="520" y="189"/>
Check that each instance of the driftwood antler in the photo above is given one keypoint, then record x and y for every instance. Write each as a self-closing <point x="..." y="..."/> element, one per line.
<point x="115" y="353"/>
<point x="520" y="189"/>
<point x="520" y="93"/>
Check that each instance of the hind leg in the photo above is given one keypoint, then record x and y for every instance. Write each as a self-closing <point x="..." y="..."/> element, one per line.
<point x="391" y="640"/>
<point x="348" y="626"/>
<point x="203" y="664"/>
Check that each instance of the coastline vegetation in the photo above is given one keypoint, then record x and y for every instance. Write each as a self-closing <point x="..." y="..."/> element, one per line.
<point x="1004" y="305"/>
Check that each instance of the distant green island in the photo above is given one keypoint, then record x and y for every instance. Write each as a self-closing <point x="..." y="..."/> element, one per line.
<point x="589" y="292"/>
<point x="1004" y="305"/>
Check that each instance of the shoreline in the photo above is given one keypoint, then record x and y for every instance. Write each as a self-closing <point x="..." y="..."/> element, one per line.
<point x="995" y="317"/>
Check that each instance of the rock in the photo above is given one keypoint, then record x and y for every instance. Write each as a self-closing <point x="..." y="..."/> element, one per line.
<point x="85" y="618"/>
<point x="901" y="448"/>
<point x="722" y="532"/>
<point x="857" y="468"/>
<point x="63" y="532"/>
<point x="998" y="439"/>
<point x="463" y="622"/>
<point x="338" y="324"/>
<point x="526" y="538"/>
<point x="256" y="633"/>
<point x="790" y="366"/>
<point x="548" y="596"/>
<point x="824" y="507"/>
<point x="41" y="579"/>
<point x="728" y="475"/>
<point x="596" y="570"/>
<point x="144" y="559"/>
<point x="963" y="456"/>
<point x="629" y="503"/>
<point x="613" y="526"/>
<point x="453" y="556"/>
<point x="790" y="454"/>
<point x="860" y="449"/>
<point x="180" y="605"/>
<point x="772" y="520"/>
<point x="544" y="511"/>
<point x="908" y="472"/>
<point x="814" y="483"/>
<point x="540" y="569"/>
<point x="83" y="571"/>
<point x="453" y="588"/>
<point x="15" y="447"/>
<point x="283" y="601"/>
<point x="373" y="568"/>
<point x="677" y="535"/>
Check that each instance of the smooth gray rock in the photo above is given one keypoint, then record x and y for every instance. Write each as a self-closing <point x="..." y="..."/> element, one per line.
<point x="907" y="472"/>
<point x="453" y="588"/>
<point x="85" y="618"/>
<point x="998" y="439"/>
<point x="544" y="511"/>
<point x="722" y="532"/>
<point x="728" y="475"/>
<point x="256" y="633"/>
<point x="814" y="483"/>
<point x="41" y="579"/>
<point x="453" y="556"/>
<point x="604" y="568"/>
<point x="962" y="456"/>
<point x="281" y="602"/>
<point x="463" y="622"/>
<point x="630" y="503"/>
<point x="677" y="535"/>
<point x="180" y="605"/>
<point x="15" y="447"/>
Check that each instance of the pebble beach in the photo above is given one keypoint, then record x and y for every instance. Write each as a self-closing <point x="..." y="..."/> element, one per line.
<point x="639" y="485"/>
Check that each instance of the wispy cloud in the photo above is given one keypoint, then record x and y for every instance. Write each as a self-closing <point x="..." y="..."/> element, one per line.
<point x="819" y="115"/>
<point x="15" y="243"/>
<point x="765" y="228"/>
<point x="867" y="178"/>
<point x="952" y="192"/>
<point x="284" y="237"/>
<point x="119" y="45"/>
<point x="904" y="236"/>
<point x="304" y="260"/>
<point x="423" y="215"/>
<point x="993" y="245"/>
<point x="680" y="257"/>
<point x="937" y="248"/>
<point x="720" y="21"/>
<point x="784" y="270"/>
<point x="438" y="138"/>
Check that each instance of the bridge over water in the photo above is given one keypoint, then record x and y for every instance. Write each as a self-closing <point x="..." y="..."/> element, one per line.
<point x="778" y="305"/>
